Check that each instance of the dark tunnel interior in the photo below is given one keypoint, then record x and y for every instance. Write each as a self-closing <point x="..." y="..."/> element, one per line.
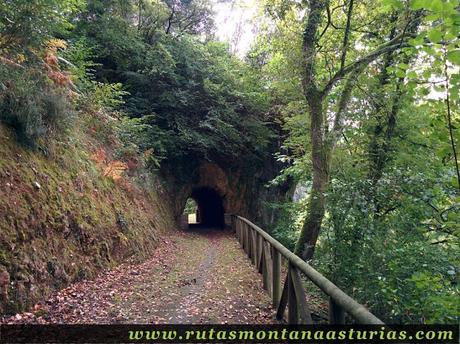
<point x="210" y="211"/>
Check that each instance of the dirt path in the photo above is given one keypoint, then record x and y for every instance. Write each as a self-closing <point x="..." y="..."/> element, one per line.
<point x="195" y="277"/>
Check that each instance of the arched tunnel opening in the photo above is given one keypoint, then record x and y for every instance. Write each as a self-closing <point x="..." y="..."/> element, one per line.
<point x="209" y="208"/>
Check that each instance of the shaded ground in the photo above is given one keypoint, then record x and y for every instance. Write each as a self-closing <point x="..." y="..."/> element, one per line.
<point x="201" y="276"/>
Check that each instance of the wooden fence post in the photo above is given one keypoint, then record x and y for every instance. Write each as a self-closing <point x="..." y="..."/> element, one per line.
<point x="292" y="302"/>
<point x="254" y="247"/>
<point x="264" y="267"/>
<point x="276" y="277"/>
<point x="268" y="266"/>
<point x="260" y="245"/>
<point x="283" y="299"/>
<point x="251" y="242"/>
<point x="303" y="311"/>
<point x="236" y="222"/>
<point x="336" y="313"/>
<point x="246" y="238"/>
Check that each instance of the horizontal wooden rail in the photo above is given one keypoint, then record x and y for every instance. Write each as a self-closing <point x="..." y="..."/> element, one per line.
<point x="265" y="253"/>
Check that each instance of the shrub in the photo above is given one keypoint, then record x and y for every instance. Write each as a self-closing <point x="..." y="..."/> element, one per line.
<point x="31" y="105"/>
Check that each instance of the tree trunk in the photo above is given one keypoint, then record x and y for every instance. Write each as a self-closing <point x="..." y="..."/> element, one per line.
<point x="316" y="206"/>
<point x="322" y="141"/>
<point x="385" y="113"/>
<point x="377" y="152"/>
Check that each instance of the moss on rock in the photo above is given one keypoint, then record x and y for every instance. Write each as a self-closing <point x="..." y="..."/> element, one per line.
<point x="62" y="220"/>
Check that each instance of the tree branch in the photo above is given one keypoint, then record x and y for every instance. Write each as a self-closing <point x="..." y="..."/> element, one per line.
<point x="170" y="19"/>
<point x="439" y="242"/>
<point x="391" y="45"/>
<point x="344" y="100"/>
<point x="449" y="118"/>
<point x="346" y="35"/>
<point x="329" y="22"/>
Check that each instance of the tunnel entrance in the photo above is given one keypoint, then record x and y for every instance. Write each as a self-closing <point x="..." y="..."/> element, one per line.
<point x="209" y="208"/>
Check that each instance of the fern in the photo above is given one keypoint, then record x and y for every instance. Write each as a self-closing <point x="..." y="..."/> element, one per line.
<point x="115" y="170"/>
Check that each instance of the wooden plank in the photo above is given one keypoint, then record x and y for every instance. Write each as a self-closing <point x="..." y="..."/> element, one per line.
<point x="242" y="237"/>
<point x="293" y="315"/>
<point x="276" y="277"/>
<point x="237" y="229"/>
<point x="268" y="266"/>
<point x="246" y="233"/>
<point x="237" y="224"/>
<point x="263" y="262"/>
<point x="283" y="301"/>
<point x="248" y="241"/>
<point x="254" y="247"/>
<point x="336" y="313"/>
<point x="302" y="306"/>
<point x="245" y="237"/>
<point x="249" y="233"/>
<point x="260" y="243"/>
<point x="241" y="232"/>
<point x="260" y="267"/>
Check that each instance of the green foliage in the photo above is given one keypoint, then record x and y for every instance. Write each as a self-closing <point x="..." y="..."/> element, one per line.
<point x="27" y="24"/>
<point x="35" y="92"/>
<point x="136" y="138"/>
<point x="376" y="259"/>
<point x="106" y="95"/>
<point x="32" y="105"/>
<point x="391" y="230"/>
<point x="195" y="99"/>
<point x="190" y="206"/>
<point x="187" y="100"/>
<point x="286" y="228"/>
<point x="118" y="44"/>
<point x="79" y="55"/>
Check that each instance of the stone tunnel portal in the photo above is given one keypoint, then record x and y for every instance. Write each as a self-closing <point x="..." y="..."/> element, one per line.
<point x="210" y="207"/>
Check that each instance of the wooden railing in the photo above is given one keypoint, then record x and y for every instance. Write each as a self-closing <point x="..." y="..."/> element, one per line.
<point x="265" y="253"/>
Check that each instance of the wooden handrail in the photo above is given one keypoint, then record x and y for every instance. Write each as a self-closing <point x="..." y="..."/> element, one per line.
<point x="293" y="295"/>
